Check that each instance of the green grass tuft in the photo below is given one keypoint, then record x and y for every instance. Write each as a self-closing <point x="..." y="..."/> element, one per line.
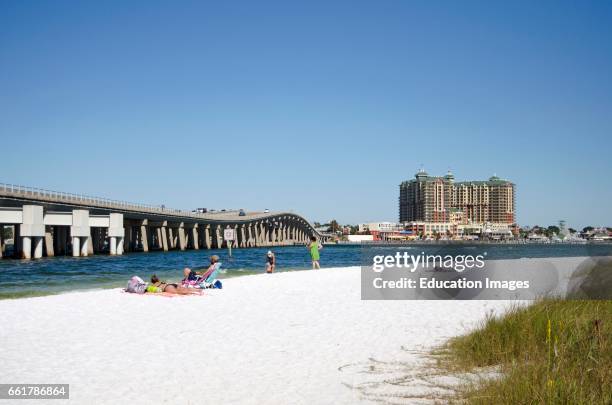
<point x="552" y="352"/>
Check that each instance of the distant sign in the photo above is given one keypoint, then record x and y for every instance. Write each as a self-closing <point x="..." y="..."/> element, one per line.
<point x="228" y="234"/>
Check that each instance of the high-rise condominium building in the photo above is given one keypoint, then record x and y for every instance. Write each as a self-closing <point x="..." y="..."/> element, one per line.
<point x="437" y="199"/>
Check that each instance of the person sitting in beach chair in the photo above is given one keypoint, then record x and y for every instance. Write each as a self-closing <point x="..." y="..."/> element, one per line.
<point x="209" y="278"/>
<point x="190" y="278"/>
<point x="204" y="279"/>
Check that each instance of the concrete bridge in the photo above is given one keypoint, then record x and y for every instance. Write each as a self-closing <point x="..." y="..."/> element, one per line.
<point x="49" y="223"/>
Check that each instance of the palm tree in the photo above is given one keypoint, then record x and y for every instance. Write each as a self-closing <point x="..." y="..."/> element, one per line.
<point x="334" y="226"/>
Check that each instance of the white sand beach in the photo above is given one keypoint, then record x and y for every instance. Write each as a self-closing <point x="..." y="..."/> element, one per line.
<point x="300" y="337"/>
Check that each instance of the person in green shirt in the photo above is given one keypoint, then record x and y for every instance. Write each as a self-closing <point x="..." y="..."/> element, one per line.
<point x="314" y="248"/>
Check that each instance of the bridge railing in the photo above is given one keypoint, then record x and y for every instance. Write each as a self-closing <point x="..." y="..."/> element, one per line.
<point x="14" y="190"/>
<point x="60" y="196"/>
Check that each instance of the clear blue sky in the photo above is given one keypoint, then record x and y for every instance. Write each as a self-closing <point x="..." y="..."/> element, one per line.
<point x="319" y="107"/>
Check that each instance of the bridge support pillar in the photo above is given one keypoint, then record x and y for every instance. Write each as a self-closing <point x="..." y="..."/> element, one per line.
<point x="85" y="246"/>
<point x="171" y="240"/>
<point x="116" y="233"/>
<point x="284" y="234"/>
<point x="266" y="234"/>
<point x="218" y="237"/>
<point x="164" y="238"/>
<point x="196" y="237"/>
<point x="26" y="247"/>
<point x="263" y="235"/>
<point x="90" y="246"/>
<point x="236" y="241"/>
<point x="206" y="236"/>
<point x="32" y="229"/>
<point x="243" y="240"/>
<point x="207" y="241"/>
<point x="144" y="238"/>
<point x="113" y="245"/>
<point x="251" y="235"/>
<point x="38" y="247"/>
<point x="181" y="236"/>
<point x="49" y="242"/>
<point x="76" y="246"/>
<point x="120" y="244"/>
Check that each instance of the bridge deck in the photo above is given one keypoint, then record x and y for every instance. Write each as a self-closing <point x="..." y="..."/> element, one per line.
<point x="36" y="195"/>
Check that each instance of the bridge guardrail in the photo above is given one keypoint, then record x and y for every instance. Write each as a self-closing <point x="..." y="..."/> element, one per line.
<point x="60" y="196"/>
<point x="15" y="190"/>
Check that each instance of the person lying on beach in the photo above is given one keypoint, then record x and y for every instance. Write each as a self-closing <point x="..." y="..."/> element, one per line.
<point x="171" y="288"/>
<point x="136" y="285"/>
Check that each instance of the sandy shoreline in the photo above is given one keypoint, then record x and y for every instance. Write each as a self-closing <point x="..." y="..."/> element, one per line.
<point x="295" y="337"/>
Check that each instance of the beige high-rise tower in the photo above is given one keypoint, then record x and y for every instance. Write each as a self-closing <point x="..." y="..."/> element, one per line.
<point x="430" y="199"/>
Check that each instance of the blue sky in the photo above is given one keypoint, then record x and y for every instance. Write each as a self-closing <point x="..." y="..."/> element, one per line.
<point x="319" y="107"/>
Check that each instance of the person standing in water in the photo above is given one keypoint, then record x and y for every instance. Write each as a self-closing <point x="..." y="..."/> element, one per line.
<point x="314" y="248"/>
<point x="270" y="262"/>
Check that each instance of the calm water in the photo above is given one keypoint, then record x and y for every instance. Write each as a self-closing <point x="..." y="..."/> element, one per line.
<point x="21" y="278"/>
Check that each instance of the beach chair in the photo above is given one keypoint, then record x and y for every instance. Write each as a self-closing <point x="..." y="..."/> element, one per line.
<point x="209" y="279"/>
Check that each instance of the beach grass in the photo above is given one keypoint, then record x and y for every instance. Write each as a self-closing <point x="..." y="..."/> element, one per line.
<point x="551" y="352"/>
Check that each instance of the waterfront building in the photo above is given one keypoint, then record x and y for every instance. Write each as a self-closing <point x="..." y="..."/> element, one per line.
<point x="428" y="229"/>
<point x="382" y="231"/>
<point x="380" y="227"/>
<point x="439" y="199"/>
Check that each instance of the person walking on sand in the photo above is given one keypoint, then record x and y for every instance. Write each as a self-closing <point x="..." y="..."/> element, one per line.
<point x="270" y="262"/>
<point x="314" y="248"/>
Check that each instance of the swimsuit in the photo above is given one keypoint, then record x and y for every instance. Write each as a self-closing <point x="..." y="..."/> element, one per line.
<point x="163" y="286"/>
